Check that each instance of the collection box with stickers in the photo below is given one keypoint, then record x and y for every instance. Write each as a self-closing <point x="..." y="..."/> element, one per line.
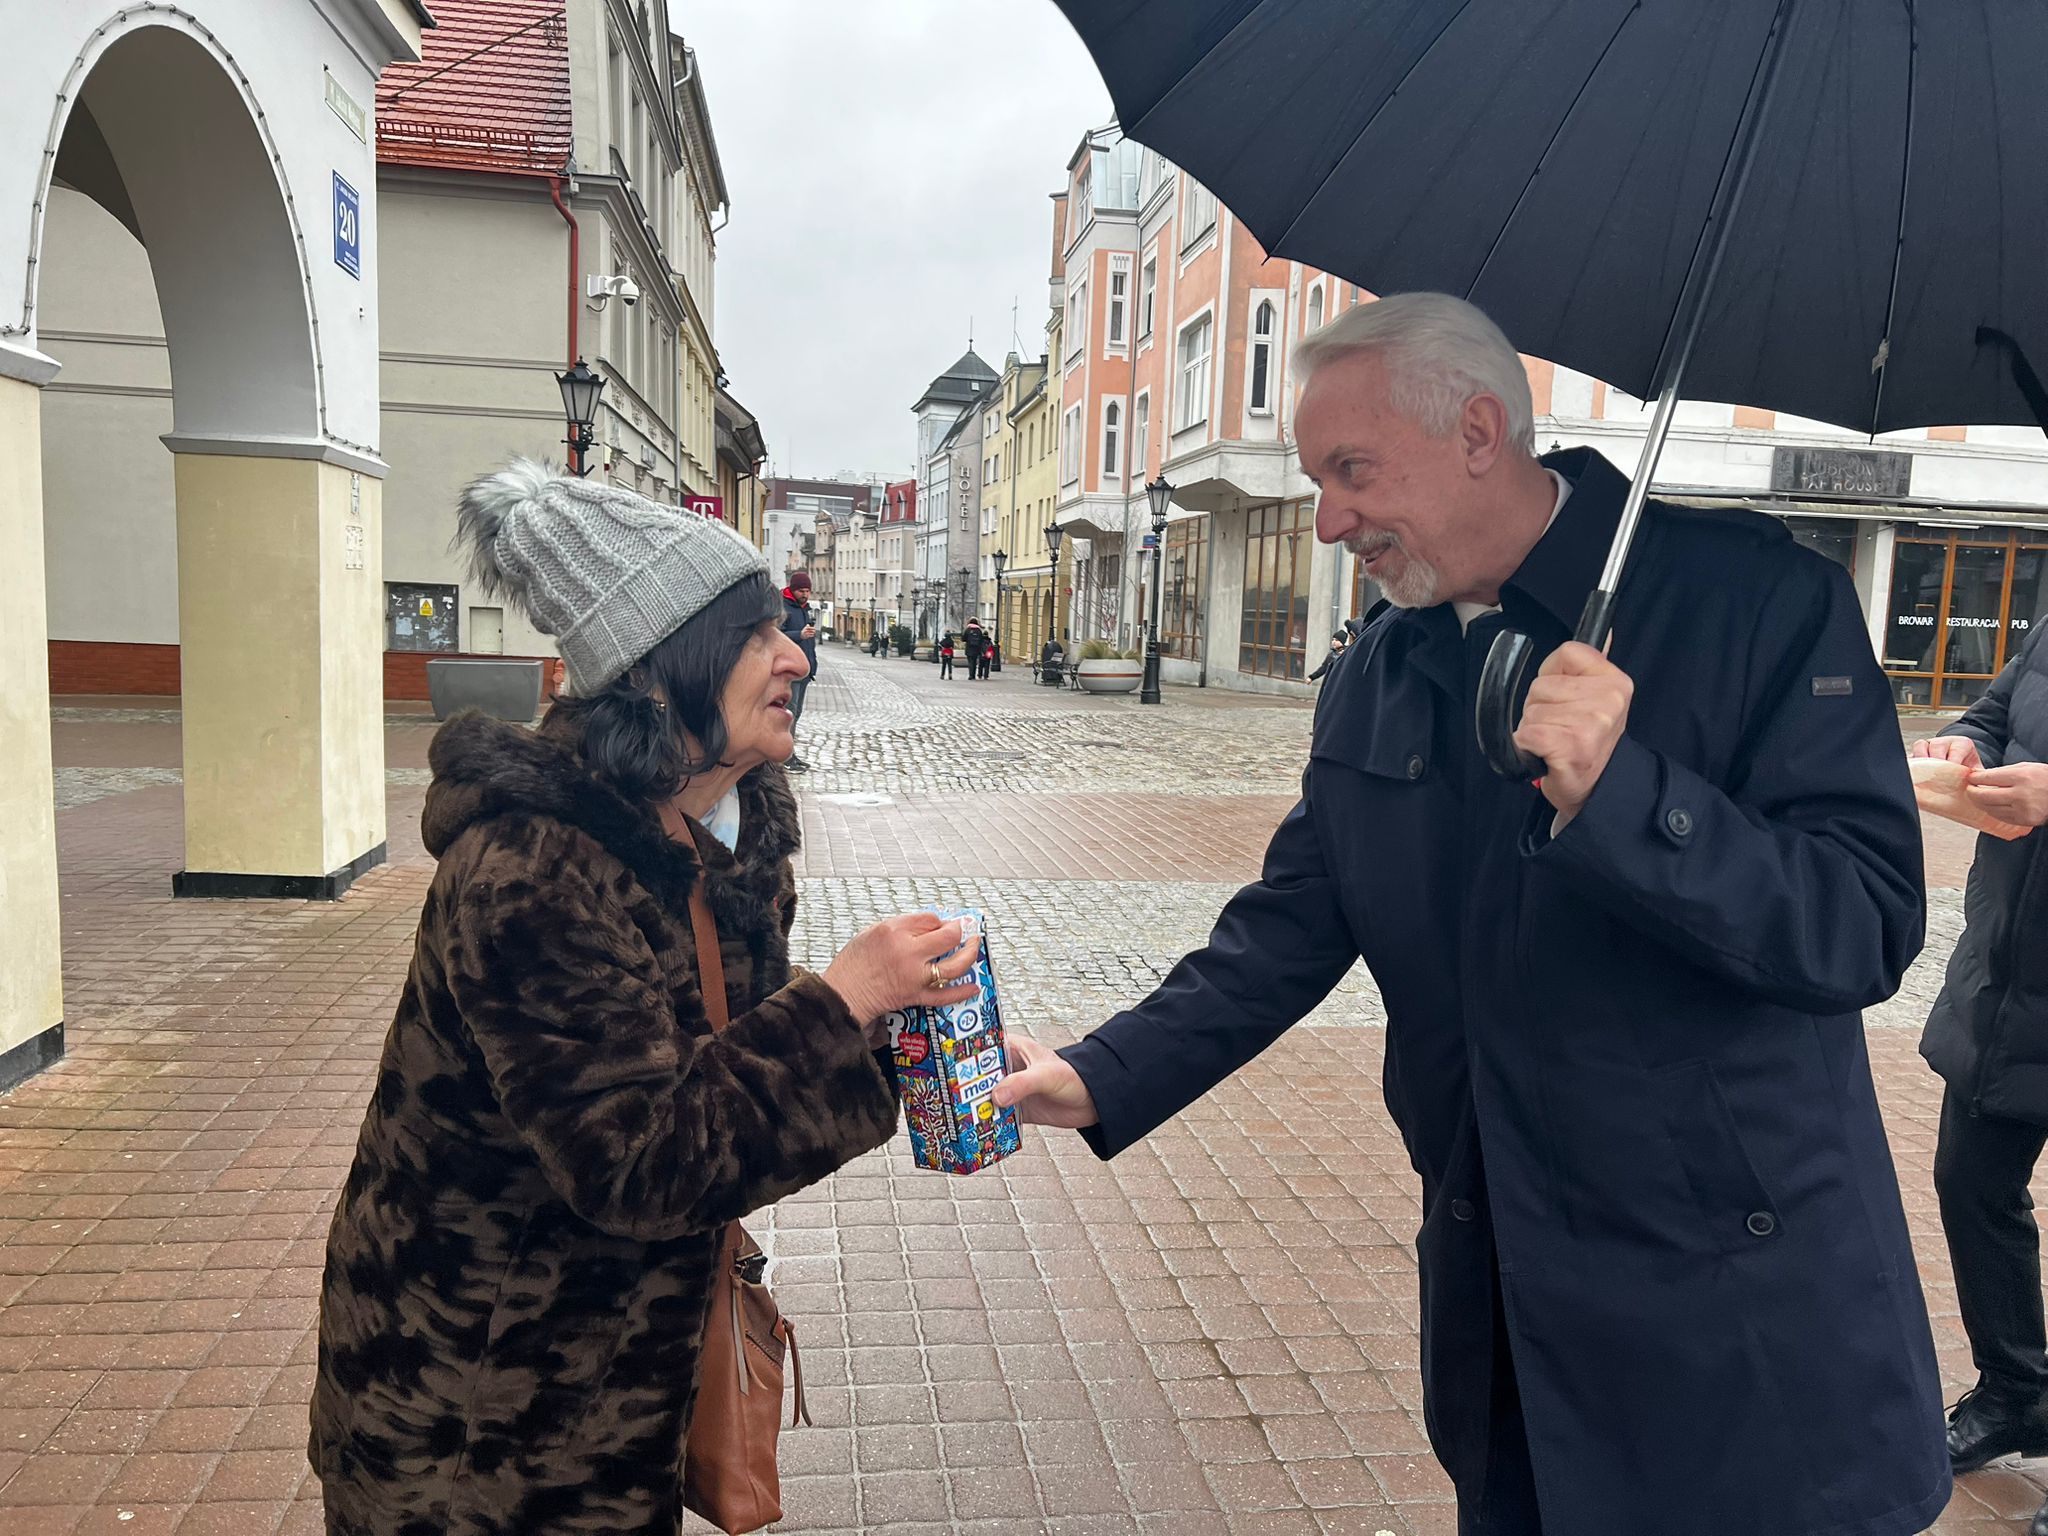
<point x="948" y="1061"/>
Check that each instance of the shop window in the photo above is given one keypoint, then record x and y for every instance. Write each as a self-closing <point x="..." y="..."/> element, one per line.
<point x="1961" y="604"/>
<point x="1273" y="631"/>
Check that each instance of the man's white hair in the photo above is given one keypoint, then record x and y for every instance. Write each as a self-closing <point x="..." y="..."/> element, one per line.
<point x="1439" y="350"/>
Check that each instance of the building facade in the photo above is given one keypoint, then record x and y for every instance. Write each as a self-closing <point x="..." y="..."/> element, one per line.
<point x="191" y="457"/>
<point x="895" y="551"/>
<point x="798" y="521"/>
<point x="1173" y="341"/>
<point x="540" y="156"/>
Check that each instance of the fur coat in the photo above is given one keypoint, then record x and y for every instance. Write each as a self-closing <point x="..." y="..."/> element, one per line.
<point x="520" y="1266"/>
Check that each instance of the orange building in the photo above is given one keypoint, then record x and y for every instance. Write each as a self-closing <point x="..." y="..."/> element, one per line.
<point x="1174" y="338"/>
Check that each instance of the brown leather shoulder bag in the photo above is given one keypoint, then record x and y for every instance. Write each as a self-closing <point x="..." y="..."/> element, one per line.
<point x="729" y="1474"/>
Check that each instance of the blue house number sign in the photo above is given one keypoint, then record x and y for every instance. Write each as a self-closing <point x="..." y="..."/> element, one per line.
<point x="348" y="228"/>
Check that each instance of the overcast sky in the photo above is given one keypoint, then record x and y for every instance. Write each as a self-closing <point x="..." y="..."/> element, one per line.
<point x="890" y="163"/>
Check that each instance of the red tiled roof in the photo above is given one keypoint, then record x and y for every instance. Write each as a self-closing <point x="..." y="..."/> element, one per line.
<point x="491" y="94"/>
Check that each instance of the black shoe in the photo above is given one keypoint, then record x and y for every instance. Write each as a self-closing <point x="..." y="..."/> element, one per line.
<point x="797" y="765"/>
<point x="1983" y="1427"/>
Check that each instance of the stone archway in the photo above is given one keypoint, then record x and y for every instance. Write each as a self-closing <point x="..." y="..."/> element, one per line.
<point x="189" y="125"/>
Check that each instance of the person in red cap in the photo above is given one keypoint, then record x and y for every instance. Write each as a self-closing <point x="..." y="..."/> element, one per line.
<point x="800" y="625"/>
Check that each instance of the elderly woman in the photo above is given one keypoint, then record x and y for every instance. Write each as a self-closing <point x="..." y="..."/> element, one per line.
<point x="519" y="1271"/>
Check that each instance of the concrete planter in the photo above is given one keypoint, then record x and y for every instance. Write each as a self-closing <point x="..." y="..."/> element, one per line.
<point x="1112" y="675"/>
<point x="507" y="690"/>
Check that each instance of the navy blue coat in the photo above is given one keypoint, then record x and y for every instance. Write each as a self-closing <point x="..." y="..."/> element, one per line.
<point x="1650" y="1024"/>
<point x="796" y="618"/>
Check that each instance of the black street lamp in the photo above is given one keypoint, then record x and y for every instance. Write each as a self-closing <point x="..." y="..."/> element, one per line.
<point x="1001" y="558"/>
<point x="1053" y="534"/>
<point x="1160" y="494"/>
<point x="580" y="391"/>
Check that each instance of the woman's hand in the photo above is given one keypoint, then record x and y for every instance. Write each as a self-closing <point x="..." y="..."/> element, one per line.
<point x="2017" y="794"/>
<point x="894" y="964"/>
<point x="1953" y="749"/>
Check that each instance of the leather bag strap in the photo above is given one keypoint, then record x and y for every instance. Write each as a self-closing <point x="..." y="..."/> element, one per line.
<point x="710" y="963"/>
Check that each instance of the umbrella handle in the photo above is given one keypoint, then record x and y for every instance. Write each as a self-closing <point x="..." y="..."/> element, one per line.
<point x="1504" y="684"/>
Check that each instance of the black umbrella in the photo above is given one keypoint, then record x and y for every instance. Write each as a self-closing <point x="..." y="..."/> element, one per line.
<point x="1833" y="208"/>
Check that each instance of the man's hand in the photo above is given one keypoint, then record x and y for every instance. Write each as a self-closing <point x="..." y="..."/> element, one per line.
<point x="810" y="630"/>
<point x="1045" y="1089"/>
<point x="1952" y="749"/>
<point x="2018" y="794"/>
<point x="1577" y="710"/>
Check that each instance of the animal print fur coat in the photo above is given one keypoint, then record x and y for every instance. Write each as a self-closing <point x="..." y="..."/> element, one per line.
<point x="520" y="1267"/>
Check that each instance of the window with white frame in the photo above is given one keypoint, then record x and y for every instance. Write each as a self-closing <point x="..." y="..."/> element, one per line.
<point x="1070" y="447"/>
<point x="1077" y="318"/>
<point x="1191" y="396"/>
<point x="1112" y="430"/>
<point x="1198" y="211"/>
<point x="1148" y="289"/>
<point x="1141" y="433"/>
<point x="1315" y="308"/>
<point x="1259" y="389"/>
<point x="1119" y="298"/>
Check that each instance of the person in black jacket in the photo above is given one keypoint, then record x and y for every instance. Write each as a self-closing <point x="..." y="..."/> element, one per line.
<point x="1988" y="1038"/>
<point x="1338" y="641"/>
<point x="801" y="625"/>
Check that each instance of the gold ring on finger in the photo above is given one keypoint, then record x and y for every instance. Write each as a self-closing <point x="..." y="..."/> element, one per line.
<point x="935" y="979"/>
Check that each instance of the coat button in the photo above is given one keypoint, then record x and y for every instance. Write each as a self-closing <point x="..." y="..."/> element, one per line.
<point x="1680" y="823"/>
<point x="1762" y="1223"/>
<point x="1416" y="766"/>
<point x="1462" y="1209"/>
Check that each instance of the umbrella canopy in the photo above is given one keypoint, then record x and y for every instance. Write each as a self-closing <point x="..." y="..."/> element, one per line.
<point x="1562" y="164"/>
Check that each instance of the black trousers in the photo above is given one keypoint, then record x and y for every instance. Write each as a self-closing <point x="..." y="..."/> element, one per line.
<point x="945" y="667"/>
<point x="1982" y="1165"/>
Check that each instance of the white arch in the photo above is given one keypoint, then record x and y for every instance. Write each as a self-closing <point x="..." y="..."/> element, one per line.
<point x="266" y="412"/>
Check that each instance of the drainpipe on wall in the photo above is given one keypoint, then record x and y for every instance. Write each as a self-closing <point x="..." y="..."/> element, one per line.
<point x="575" y="260"/>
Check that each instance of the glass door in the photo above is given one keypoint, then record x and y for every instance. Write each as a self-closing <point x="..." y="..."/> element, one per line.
<point x="1976" y="621"/>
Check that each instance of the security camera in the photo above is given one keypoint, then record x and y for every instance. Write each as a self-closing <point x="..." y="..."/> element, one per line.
<point x="602" y="289"/>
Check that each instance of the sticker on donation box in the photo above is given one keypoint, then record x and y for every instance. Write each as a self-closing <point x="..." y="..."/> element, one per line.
<point x="948" y="1061"/>
<point x="426" y="607"/>
<point x="348" y="228"/>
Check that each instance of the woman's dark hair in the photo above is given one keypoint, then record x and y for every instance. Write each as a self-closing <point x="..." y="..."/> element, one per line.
<point x="641" y="748"/>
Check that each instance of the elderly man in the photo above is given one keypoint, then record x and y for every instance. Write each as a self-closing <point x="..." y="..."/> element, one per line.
<point x="1666" y="1284"/>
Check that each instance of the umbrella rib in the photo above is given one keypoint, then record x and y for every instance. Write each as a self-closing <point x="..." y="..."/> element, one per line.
<point x="1385" y="102"/>
<point x="1891" y="311"/>
<point x="1536" y="172"/>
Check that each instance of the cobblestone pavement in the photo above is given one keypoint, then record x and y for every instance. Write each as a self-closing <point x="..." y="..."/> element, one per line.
<point x="1213" y="1333"/>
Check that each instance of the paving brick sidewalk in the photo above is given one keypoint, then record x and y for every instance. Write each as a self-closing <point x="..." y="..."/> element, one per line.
<point x="1213" y="1333"/>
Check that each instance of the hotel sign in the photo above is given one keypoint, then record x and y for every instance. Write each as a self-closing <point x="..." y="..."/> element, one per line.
<point x="1841" y="472"/>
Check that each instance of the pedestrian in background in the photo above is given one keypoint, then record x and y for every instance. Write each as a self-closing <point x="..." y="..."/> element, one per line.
<point x="520" y="1264"/>
<point x="801" y="625"/>
<point x="946" y="656"/>
<point x="1988" y="1038"/>
<point x="1338" y="642"/>
<point x="977" y="649"/>
<point x="1666" y="1279"/>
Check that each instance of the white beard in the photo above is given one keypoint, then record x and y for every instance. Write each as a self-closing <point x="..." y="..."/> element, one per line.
<point x="1412" y="583"/>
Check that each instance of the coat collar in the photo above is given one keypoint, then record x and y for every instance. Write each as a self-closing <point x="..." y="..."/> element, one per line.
<point x="485" y="768"/>
<point x="1549" y="588"/>
<point x="1556" y="576"/>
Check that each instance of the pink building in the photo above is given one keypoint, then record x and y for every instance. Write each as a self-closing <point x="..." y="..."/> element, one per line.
<point x="1173" y="334"/>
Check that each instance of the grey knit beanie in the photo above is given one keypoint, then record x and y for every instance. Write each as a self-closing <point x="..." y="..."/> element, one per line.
<point x="609" y="574"/>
